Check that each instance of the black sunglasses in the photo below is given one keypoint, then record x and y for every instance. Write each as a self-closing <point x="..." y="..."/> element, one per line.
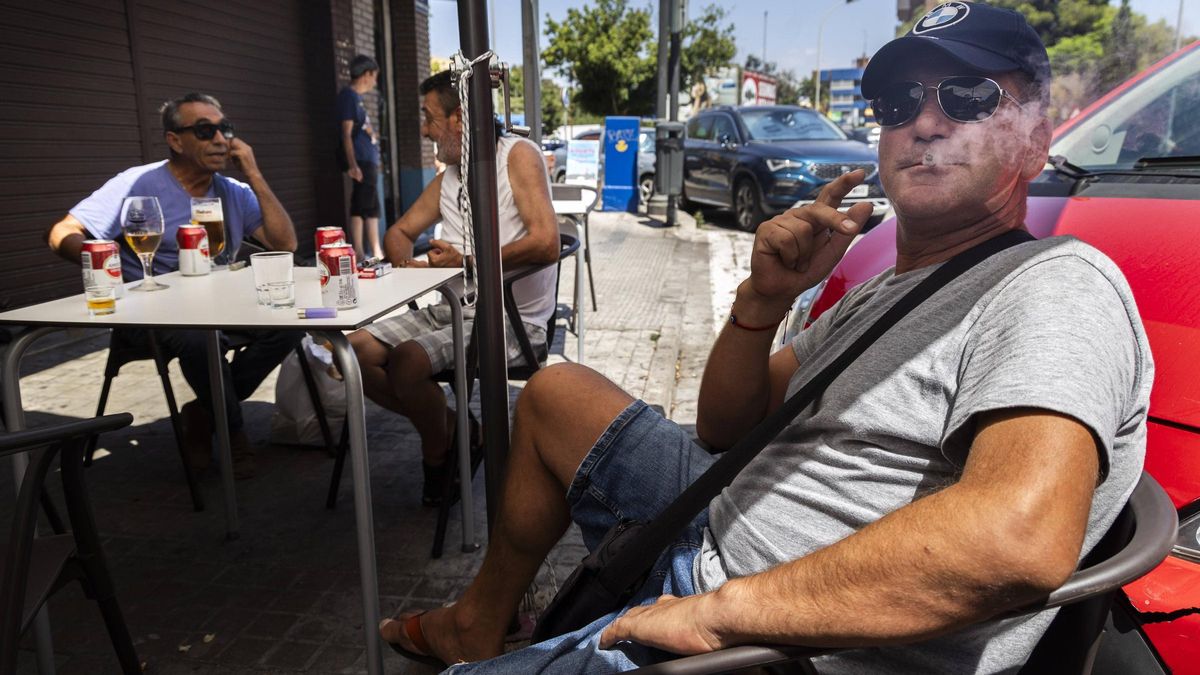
<point x="963" y="98"/>
<point x="205" y="131"/>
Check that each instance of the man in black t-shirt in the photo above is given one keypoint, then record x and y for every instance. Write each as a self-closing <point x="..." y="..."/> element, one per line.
<point x="360" y="147"/>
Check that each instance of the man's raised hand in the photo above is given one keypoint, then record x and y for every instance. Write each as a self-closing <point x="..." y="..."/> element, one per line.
<point x="443" y="254"/>
<point x="798" y="248"/>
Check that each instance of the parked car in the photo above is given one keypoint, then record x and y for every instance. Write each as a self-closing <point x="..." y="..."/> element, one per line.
<point x="645" y="161"/>
<point x="868" y="135"/>
<point x="761" y="160"/>
<point x="1125" y="178"/>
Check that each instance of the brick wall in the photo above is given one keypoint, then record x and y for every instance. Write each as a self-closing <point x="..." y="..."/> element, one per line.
<point x="410" y="45"/>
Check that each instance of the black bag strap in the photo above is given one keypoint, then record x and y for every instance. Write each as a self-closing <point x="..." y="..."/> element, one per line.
<point x="633" y="560"/>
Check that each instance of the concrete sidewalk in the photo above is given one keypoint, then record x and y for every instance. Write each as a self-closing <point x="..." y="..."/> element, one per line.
<point x="285" y="596"/>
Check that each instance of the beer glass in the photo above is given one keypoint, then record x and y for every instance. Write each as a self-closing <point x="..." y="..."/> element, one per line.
<point x="142" y="225"/>
<point x="206" y="211"/>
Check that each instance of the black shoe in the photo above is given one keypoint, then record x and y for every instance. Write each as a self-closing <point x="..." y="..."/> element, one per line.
<point x="435" y="476"/>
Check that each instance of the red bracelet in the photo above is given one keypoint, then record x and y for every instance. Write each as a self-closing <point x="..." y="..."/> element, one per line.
<point x="734" y="322"/>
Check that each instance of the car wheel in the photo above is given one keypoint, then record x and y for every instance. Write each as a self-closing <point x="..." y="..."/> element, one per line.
<point x="560" y="176"/>
<point x="747" y="210"/>
<point x="646" y="187"/>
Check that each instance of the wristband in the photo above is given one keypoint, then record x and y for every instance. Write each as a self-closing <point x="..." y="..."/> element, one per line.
<point x="733" y="321"/>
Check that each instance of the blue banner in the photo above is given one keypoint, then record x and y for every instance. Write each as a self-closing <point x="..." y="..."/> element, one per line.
<point x="620" y="191"/>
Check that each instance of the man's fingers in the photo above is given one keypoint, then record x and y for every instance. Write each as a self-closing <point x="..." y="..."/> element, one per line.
<point x="836" y="190"/>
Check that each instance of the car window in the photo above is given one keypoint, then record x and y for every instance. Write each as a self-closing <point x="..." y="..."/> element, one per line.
<point x="1157" y="117"/>
<point x="787" y="124"/>
<point x="723" y="126"/>
<point x="700" y="128"/>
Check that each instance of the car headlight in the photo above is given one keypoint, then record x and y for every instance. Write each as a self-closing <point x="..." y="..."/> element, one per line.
<point x="774" y="165"/>
<point x="1187" y="542"/>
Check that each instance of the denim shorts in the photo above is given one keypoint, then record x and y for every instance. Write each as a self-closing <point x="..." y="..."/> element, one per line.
<point x="636" y="468"/>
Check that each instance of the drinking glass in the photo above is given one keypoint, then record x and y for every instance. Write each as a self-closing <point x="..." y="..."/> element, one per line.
<point x="101" y="300"/>
<point x="273" y="279"/>
<point x="206" y="211"/>
<point x="142" y="224"/>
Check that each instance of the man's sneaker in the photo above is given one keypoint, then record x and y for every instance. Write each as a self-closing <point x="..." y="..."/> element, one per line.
<point x="197" y="435"/>
<point x="243" y="455"/>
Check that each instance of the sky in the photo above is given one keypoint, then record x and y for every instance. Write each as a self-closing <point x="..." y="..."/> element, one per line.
<point x="791" y="26"/>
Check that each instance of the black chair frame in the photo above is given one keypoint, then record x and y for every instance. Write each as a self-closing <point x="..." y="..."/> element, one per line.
<point x="36" y="567"/>
<point x="1138" y="541"/>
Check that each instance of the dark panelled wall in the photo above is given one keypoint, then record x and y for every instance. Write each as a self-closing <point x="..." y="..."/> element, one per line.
<point x="68" y="122"/>
<point x="81" y="82"/>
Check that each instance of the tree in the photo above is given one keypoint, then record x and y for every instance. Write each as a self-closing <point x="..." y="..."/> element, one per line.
<point x="605" y="49"/>
<point x="708" y="44"/>
<point x="552" y="107"/>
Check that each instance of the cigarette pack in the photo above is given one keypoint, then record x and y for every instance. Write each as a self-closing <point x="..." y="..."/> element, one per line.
<point x="375" y="271"/>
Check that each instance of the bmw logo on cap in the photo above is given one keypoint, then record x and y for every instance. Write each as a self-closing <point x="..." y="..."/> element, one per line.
<point x="942" y="16"/>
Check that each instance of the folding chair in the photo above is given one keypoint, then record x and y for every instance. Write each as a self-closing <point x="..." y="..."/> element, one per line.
<point x="1138" y="541"/>
<point x="35" y="567"/>
<point x="576" y="203"/>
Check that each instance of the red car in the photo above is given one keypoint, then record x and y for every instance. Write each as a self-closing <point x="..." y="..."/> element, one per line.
<point x="1125" y="177"/>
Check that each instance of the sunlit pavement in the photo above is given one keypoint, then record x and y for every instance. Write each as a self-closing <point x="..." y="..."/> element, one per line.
<point x="285" y="596"/>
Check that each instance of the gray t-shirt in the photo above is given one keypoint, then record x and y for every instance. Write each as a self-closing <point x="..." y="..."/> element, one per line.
<point x="1049" y="324"/>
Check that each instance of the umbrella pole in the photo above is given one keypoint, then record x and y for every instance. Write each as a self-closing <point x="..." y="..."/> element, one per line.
<point x="489" y="315"/>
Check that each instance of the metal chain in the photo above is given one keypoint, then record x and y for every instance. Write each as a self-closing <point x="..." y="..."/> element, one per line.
<point x="470" y="278"/>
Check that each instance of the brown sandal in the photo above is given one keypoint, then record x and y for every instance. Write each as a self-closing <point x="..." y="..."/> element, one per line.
<point x="416" y="635"/>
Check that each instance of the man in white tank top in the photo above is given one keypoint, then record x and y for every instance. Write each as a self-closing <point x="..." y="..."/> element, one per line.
<point x="400" y="355"/>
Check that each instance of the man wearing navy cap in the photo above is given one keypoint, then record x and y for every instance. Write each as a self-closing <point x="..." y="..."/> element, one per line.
<point x="959" y="469"/>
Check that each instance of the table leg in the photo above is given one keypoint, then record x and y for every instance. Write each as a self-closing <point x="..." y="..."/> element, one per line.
<point x="364" y="521"/>
<point x="14" y="420"/>
<point x="221" y="423"/>
<point x="462" y="424"/>
<point x="580" y="254"/>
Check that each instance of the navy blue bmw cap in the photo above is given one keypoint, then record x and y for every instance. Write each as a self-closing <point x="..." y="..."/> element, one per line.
<point x="980" y="37"/>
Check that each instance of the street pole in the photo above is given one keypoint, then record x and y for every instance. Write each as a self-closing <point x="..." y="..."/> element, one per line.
<point x="531" y="65"/>
<point x="677" y="22"/>
<point x="1179" y="26"/>
<point x="489" y="316"/>
<point x="764" y="58"/>
<point x="657" y="204"/>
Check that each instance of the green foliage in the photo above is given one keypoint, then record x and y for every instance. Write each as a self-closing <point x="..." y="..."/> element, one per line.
<point x="708" y="44"/>
<point x="605" y="48"/>
<point x="611" y="52"/>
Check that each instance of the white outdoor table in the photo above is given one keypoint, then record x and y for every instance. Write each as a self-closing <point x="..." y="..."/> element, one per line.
<point x="577" y="210"/>
<point x="226" y="300"/>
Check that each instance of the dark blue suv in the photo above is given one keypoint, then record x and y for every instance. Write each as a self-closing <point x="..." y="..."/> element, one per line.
<point x="762" y="160"/>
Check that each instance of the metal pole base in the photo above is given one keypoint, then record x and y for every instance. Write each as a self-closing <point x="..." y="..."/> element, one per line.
<point x="657" y="206"/>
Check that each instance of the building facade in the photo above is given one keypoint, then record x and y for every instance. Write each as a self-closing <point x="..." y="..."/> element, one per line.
<point x="846" y="103"/>
<point x="83" y="81"/>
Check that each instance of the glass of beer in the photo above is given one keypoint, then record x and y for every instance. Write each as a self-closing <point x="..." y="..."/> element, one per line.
<point x="206" y="211"/>
<point x="142" y="224"/>
<point x="101" y="300"/>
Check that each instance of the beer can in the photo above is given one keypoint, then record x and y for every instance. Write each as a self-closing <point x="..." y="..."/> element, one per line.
<point x="339" y="276"/>
<point x="193" y="250"/>
<point x="101" y="262"/>
<point x="330" y="235"/>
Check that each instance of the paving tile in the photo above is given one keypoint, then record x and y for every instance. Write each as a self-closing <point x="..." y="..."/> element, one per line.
<point x="291" y="655"/>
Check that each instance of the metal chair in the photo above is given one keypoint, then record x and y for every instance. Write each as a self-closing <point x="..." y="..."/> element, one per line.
<point x="561" y="192"/>
<point x="35" y="567"/>
<point x="1138" y="541"/>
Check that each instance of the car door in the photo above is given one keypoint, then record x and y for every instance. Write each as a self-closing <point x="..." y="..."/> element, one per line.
<point x="699" y="132"/>
<point x="722" y="157"/>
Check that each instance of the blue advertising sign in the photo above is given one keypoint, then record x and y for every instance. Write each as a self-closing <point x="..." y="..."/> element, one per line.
<point x="620" y="139"/>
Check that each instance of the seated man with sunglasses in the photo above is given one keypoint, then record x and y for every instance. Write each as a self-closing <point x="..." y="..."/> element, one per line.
<point x="201" y="142"/>
<point x="959" y="468"/>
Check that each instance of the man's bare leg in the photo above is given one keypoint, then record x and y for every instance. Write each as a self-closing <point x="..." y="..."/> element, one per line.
<point x="560" y="415"/>
<point x="372" y="227"/>
<point x="356" y="235"/>
<point x="372" y="362"/>
<point x="420" y="399"/>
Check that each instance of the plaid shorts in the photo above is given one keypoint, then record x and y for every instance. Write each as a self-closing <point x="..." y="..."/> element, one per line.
<point x="432" y="327"/>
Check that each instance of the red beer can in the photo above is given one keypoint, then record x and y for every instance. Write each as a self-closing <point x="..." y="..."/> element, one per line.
<point x="101" y="261"/>
<point x="193" y="250"/>
<point x="330" y="235"/>
<point x="339" y="276"/>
